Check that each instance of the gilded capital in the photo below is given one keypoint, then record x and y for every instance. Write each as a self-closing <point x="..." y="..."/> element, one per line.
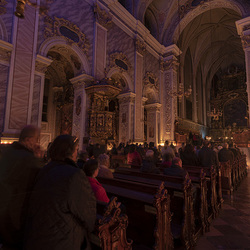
<point x="102" y="16"/>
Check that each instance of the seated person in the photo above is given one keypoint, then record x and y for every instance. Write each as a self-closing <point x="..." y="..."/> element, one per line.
<point x="103" y="163"/>
<point x="82" y="158"/>
<point x="133" y="157"/>
<point x="148" y="165"/>
<point x="91" y="170"/>
<point x="167" y="160"/>
<point x="175" y="169"/>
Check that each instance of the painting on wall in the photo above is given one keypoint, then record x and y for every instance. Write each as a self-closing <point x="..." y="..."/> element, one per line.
<point x="235" y="111"/>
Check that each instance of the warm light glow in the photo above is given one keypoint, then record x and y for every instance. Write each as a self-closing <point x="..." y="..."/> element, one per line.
<point x="6" y="140"/>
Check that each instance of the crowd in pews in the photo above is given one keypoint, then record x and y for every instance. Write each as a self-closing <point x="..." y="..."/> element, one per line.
<point x="139" y="196"/>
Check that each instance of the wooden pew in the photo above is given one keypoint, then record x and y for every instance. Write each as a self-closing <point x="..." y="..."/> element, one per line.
<point x="181" y="194"/>
<point x="110" y="228"/>
<point x="148" y="210"/>
<point x="214" y="203"/>
<point x="226" y="177"/>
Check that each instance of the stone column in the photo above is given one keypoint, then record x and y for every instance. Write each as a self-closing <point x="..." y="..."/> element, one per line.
<point x="194" y="100"/>
<point x="169" y="103"/>
<point x="103" y="22"/>
<point x="21" y="74"/>
<point x="204" y="101"/>
<point x="243" y="28"/>
<point x="5" y="52"/>
<point x="126" y="116"/>
<point x="80" y="107"/>
<point x="139" y="115"/>
<point x="153" y="123"/>
<point x="38" y="89"/>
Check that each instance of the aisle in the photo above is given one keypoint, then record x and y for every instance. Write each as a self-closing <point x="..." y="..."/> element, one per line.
<point x="231" y="230"/>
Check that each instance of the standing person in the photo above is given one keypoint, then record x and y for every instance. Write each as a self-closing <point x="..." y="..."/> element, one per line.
<point x="207" y="157"/>
<point x="19" y="168"/>
<point x="62" y="209"/>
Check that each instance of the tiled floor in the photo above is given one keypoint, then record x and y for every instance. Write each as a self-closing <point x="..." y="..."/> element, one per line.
<point x="231" y="230"/>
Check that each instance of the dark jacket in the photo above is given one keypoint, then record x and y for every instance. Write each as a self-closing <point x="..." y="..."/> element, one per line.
<point x="18" y="170"/>
<point x="226" y="155"/>
<point x="189" y="158"/>
<point x="207" y="157"/>
<point x="175" y="170"/>
<point x="62" y="209"/>
<point x="149" y="167"/>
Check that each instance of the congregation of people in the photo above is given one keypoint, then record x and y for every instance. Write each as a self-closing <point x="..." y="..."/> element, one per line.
<point x="48" y="200"/>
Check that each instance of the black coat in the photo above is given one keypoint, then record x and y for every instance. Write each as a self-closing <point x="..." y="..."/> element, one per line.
<point x="62" y="209"/>
<point x="18" y="170"/>
<point x="207" y="157"/>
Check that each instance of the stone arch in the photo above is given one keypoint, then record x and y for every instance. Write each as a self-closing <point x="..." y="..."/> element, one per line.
<point x="55" y="41"/>
<point x="207" y="6"/>
<point x="3" y="31"/>
<point x="124" y="75"/>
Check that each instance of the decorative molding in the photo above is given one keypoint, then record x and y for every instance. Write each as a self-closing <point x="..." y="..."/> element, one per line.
<point x="58" y="26"/>
<point x="171" y="64"/>
<point x="103" y="17"/>
<point x="117" y="57"/>
<point x="127" y="98"/>
<point x="153" y="107"/>
<point x="2" y="7"/>
<point x="245" y="41"/>
<point x="151" y="80"/>
<point x="42" y="63"/>
<point x="79" y="82"/>
<point x="5" y="51"/>
<point x="140" y="46"/>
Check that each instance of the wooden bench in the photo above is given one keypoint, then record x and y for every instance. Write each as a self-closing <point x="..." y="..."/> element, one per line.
<point x="213" y="190"/>
<point x="226" y="177"/>
<point x="110" y="229"/>
<point x="181" y="193"/>
<point x="148" y="210"/>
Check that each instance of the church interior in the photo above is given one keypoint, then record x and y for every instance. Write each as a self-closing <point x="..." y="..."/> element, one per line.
<point x="136" y="72"/>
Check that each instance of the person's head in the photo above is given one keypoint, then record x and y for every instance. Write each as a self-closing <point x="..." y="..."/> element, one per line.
<point x="63" y="147"/>
<point x="83" y="155"/>
<point x="206" y="143"/>
<point x="29" y="137"/>
<point x="189" y="148"/>
<point x="177" y="161"/>
<point x="132" y="148"/>
<point x="225" y="145"/>
<point x="103" y="159"/>
<point x="91" y="168"/>
<point x="167" y="157"/>
<point x="150" y="154"/>
<point x="151" y="144"/>
<point x="166" y="143"/>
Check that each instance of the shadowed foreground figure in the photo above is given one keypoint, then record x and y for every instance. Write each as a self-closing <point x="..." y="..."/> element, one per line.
<point x="18" y="168"/>
<point x="62" y="209"/>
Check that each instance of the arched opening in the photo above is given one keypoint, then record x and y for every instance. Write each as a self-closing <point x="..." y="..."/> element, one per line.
<point x="58" y="99"/>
